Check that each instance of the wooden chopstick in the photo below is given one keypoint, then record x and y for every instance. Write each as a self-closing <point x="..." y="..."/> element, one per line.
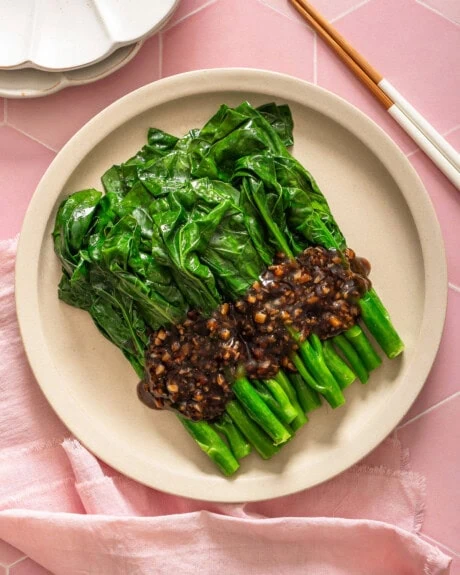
<point x="336" y="42"/>
<point x="430" y="141"/>
<point x="309" y="10"/>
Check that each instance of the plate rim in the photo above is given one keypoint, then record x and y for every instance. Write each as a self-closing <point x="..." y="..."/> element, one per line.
<point x="272" y="84"/>
<point x="63" y="80"/>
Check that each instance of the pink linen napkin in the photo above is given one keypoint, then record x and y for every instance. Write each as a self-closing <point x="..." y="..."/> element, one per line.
<point x="74" y="515"/>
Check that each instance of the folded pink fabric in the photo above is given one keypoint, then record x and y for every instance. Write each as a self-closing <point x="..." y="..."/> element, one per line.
<point x="75" y="515"/>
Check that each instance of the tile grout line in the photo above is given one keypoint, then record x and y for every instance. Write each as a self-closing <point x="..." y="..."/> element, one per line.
<point x="349" y="11"/>
<point x="438" y="12"/>
<point x="288" y="16"/>
<point x="409" y="154"/>
<point x="160" y="55"/>
<point x="442" y="544"/>
<point x="190" y="14"/>
<point x="17" y="561"/>
<point x="47" y="146"/>
<point x="454" y="287"/>
<point x="432" y="408"/>
<point x="451" y="130"/>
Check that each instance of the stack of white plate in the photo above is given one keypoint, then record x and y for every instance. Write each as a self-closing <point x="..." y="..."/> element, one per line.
<point x="47" y="45"/>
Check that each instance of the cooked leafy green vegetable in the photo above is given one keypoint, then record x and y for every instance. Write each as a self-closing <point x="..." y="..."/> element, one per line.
<point x="189" y="222"/>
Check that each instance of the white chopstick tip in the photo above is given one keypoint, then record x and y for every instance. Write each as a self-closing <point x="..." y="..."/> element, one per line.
<point x="424" y="126"/>
<point x="446" y="167"/>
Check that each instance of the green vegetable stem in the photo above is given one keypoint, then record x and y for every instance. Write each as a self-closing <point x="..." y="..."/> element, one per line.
<point x="366" y="352"/>
<point x="339" y="369"/>
<point x="352" y="357"/>
<point x="377" y="320"/>
<point x="238" y="444"/>
<point x="280" y="384"/>
<point x="259" y="411"/>
<point x="212" y="444"/>
<point x="309" y="399"/>
<point x="281" y="407"/>
<point x="253" y="433"/>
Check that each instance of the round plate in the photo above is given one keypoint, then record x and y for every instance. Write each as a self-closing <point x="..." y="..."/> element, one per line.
<point x="30" y="83"/>
<point x="385" y="214"/>
<point x="55" y="35"/>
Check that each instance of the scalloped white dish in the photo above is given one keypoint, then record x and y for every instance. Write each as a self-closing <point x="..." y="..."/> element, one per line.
<point x="58" y="35"/>
<point x="385" y="214"/>
<point x="30" y="83"/>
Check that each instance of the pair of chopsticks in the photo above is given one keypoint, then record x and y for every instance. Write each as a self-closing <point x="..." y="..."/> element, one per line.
<point x="415" y="125"/>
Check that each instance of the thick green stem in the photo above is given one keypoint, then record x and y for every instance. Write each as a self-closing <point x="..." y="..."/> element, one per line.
<point x="281" y="389"/>
<point x="339" y="369"/>
<point x="212" y="444"/>
<point x="378" y="322"/>
<point x="273" y="406"/>
<point x="363" y="346"/>
<point x="258" y="438"/>
<point x="309" y="380"/>
<point x="285" y="412"/>
<point x="281" y="380"/>
<point x="309" y="399"/>
<point x="352" y="357"/>
<point x="320" y="372"/>
<point x="259" y="411"/>
<point x="238" y="444"/>
<point x="273" y="227"/>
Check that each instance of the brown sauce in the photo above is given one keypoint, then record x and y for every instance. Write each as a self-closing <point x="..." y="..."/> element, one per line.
<point x="190" y="367"/>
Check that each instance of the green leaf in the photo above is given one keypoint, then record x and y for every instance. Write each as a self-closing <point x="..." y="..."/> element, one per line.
<point x="73" y="220"/>
<point x="185" y="234"/>
<point x="280" y="119"/>
<point x="307" y="208"/>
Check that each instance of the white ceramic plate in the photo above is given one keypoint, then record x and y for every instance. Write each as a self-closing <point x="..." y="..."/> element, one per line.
<point x="65" y="34"/>
<point x="31" y="83"/>
<point x="381" y="206"/>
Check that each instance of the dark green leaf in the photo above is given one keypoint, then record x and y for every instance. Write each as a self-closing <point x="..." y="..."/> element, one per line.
<point x="73" y="220"/>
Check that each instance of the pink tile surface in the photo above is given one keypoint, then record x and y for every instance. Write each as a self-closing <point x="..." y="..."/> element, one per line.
<point x="331" y="10"/>
<point x="203" y="40"/>
<point x="448" y="8"/>
<point x="185" y="8"/>
<point x="2" y="109"/>
<point x="22" y="163"/>
<point x="54" y="119"/>
<point x="455" y="566"/>
<point x="440" y="383"/>
<point x="9" y="554"/>
<point x="433" y="442"/>
<point x="454" y="138"/>
<point x="28" y="567"/>
<point x="446" y="200"/>
<point x="417" y="51"/>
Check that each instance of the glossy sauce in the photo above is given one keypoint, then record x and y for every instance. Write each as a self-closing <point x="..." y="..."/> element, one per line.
<point x="190" y="367"/>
